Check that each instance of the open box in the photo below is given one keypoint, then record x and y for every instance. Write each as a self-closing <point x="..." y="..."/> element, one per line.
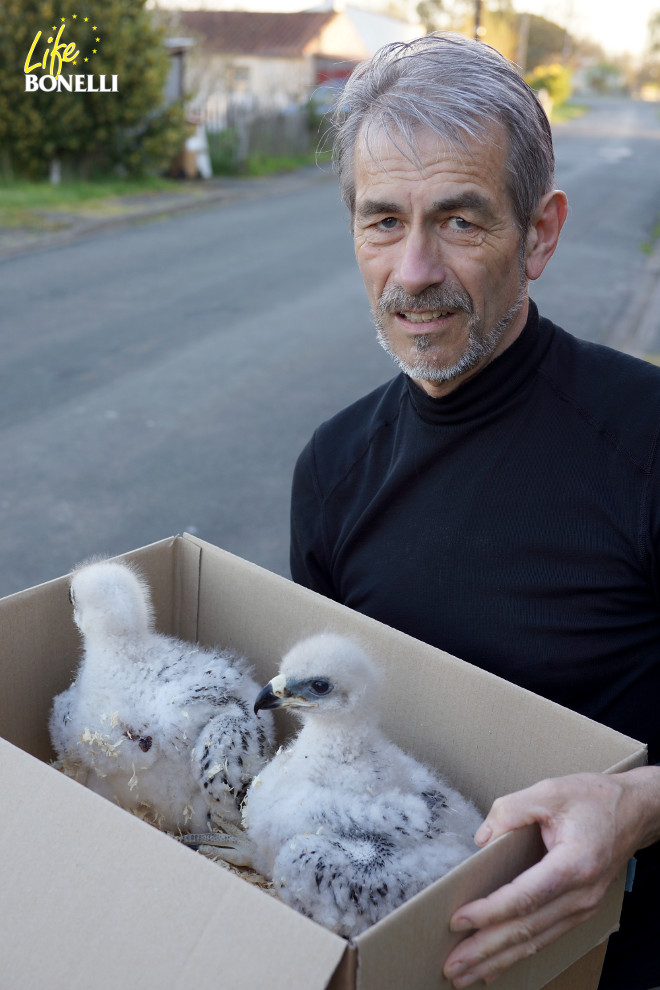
<point x="93" y="896"/>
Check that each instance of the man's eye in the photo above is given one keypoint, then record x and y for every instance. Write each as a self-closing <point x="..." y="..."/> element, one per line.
<point x="458" y="223"/>
<point x="389" y="223"/>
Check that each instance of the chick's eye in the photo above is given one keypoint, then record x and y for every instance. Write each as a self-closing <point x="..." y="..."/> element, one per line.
<point x="321" y="686"/>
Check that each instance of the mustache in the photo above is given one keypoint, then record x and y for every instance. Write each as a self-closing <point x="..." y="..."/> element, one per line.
<point x="395" y="299"/>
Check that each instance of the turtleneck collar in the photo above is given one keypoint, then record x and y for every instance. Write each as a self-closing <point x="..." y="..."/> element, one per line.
<point x="494" y="386"/>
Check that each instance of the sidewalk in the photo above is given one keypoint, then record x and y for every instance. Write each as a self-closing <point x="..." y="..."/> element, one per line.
<point x="57" y="228"/>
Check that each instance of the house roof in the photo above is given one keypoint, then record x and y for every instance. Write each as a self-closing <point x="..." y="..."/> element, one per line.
<point x="242" y="32"/>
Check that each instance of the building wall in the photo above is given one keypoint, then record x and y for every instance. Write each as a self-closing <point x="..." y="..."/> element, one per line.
<point x="246" y="84"/>
<point x="340" y="39"/>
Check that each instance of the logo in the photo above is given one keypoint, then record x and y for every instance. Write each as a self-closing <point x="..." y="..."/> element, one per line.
<point x="51" y="51"/>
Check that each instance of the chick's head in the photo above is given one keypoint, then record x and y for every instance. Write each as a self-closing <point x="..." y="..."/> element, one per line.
<point x="323" y="675"/>
<point x="110" y="600"/>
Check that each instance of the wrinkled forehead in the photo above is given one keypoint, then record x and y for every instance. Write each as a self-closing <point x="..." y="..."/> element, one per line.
<point x="378" y="145"/>
<point x="387" y="157"/>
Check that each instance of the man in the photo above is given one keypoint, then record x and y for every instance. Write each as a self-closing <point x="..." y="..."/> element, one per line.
<point x="500" y="498"/>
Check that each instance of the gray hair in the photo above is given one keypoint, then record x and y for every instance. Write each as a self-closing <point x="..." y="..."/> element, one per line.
<point x="456" y="87"/>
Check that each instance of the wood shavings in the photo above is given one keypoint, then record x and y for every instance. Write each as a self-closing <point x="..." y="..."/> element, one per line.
<point x="101" y="742"/>
<point x="216" y="769"/>
<point x="250" y="876"/>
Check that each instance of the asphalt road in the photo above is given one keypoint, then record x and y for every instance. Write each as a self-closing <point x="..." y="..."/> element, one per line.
<point x="608" y="162"/>
<point x="163" y="377"/>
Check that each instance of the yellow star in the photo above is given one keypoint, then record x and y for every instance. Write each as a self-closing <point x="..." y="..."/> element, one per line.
<point x="74" y="16"/>
<point x="93" y="51"/>
<point x="87" y="60"/>
<point x="98" y="39"/>
<point x="64" y="18"/>
<point x="87" y="18"/>
<point x="94" y="27"/>
<point x="54" y="27"/>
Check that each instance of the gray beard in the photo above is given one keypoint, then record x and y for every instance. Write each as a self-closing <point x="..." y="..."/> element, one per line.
<point x="481" y="343"/>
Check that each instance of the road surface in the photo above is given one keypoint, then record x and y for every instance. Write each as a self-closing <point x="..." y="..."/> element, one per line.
<point x="163" y="377"/>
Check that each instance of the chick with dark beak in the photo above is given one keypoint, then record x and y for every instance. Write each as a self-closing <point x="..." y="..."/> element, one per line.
<point x="278" y="694"/>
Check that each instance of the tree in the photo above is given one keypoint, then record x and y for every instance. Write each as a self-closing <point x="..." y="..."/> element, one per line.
<point x="501" y="27"/>
<point x="648" y="72"/>
<point x="432" y="14"/>
<point x="546" y="41"/>
<point x="555" y="79"/>
<point x="86" y="131"/>
<point x="604" y="77"/>
<point x="653" y="29"/>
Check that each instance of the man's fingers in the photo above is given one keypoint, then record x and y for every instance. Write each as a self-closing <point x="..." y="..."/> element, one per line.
<point x="464" y="973"/>
<point x="553" y="876"/>
<point x="589" y="825"/>
<point x="535" y="804"/>
<point x="520" y="918"/>
<point x="527" y="893"/>
<point x="491" y="951"/>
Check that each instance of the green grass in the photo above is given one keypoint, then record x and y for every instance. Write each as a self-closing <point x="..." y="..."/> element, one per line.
<point x="223" y="150"/>
<point x="22" y="203"/>
<point x="42" y="206"/>
<point x="648" y="246"/>
<point x="271" y="164"/>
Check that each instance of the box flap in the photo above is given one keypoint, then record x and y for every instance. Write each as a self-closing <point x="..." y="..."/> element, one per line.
<point x="113" y="902"/>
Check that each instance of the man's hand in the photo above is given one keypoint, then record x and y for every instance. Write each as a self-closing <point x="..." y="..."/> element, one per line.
<point x="591" y="825"/>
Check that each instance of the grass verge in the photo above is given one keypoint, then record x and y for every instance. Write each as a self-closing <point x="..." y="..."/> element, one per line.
<point x="649" y="246"/>
<point x="36" y="204"/>
<point x="271" y="164"/>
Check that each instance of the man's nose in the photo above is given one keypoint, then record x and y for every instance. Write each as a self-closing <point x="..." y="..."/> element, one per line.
<point x="420" y="263"/>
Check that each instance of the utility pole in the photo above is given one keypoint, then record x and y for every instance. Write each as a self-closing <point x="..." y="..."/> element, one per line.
<point x="523" y="42"/>
<point x="477" y="19"/>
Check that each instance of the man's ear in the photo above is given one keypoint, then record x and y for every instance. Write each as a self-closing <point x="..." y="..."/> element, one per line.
<point x="544" y="232"/>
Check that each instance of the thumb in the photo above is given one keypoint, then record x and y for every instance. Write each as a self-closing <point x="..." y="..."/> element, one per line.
<point x="507" y="813"/>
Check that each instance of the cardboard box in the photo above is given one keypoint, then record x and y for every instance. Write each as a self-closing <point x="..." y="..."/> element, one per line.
<point x="93" y="897"/>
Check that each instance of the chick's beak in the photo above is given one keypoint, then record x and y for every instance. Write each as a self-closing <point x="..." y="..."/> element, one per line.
<point x="279" y="694"/>
<point x="266" y="699"/>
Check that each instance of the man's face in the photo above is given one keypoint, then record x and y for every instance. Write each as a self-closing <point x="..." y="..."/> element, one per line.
<point x="440" y="255"/>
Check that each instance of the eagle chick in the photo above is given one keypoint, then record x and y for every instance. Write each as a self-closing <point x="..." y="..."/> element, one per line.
<point x="346" y="824"/>
<point x="163" y="727"/>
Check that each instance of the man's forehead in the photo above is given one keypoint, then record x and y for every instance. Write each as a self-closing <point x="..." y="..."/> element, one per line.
<point x="385" y="160"/>
<point x="380" y="149"/>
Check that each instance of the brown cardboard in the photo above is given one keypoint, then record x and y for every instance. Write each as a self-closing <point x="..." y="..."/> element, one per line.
<point x="92" y="896"/>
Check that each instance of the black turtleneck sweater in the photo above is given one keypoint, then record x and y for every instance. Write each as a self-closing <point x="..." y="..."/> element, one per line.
<point x="514" y="523"/>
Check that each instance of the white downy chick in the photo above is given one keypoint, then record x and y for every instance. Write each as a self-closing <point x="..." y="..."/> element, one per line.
<point x="162" y="727"/>
<point x="345" y="823"/>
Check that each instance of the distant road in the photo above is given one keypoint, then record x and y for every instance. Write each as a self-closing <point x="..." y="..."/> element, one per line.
<point x="165" y="376"/>
<point x="608" y="162"/>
